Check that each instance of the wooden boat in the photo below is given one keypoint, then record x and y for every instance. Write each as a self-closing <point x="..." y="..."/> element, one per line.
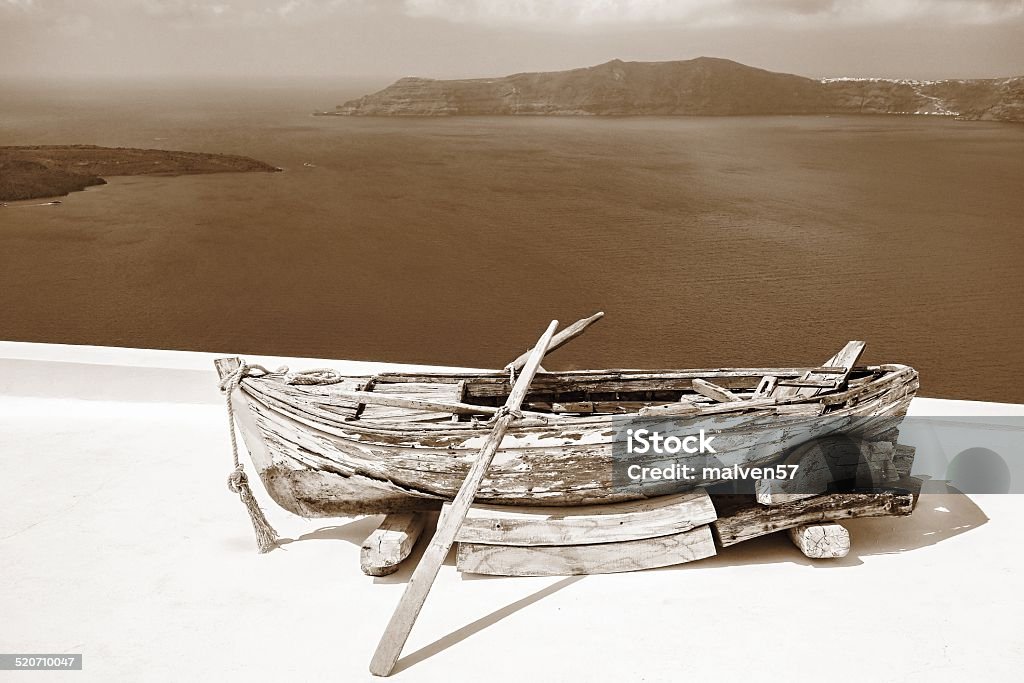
<point x="330" y="445"/>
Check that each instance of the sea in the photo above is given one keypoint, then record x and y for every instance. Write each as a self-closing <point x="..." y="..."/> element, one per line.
<point x="707" y="241"/>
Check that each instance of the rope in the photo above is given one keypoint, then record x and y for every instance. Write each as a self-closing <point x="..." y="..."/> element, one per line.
<point x="316" y="376"/>
<point x="238" y="482"/>
<point x="506" y="411"/>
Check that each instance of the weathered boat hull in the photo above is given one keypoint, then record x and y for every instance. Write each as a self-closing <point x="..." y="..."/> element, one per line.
<point x="317" y="462"/>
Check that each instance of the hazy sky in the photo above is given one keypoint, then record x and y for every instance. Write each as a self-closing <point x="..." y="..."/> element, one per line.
<point x="466" y="38"/>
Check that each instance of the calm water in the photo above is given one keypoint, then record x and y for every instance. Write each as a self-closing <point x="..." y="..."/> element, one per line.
<point x="738" y="241"/>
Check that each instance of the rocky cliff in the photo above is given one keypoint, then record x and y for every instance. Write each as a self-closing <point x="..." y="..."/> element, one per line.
<point x="703" y="86"/>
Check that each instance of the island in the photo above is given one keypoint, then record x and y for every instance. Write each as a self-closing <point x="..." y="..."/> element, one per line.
<point x="55" y="170"/>
<point x="705" y="86"/>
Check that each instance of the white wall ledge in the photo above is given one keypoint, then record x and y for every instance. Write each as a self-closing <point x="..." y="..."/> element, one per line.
<point x="108" y="373"/>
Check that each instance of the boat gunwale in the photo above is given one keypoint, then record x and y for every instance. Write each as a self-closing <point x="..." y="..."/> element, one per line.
<point x="369" y="426"/>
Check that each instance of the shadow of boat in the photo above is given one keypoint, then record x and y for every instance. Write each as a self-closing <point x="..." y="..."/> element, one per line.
<point x="942" y="512"/>
<point x="938" y="516"/>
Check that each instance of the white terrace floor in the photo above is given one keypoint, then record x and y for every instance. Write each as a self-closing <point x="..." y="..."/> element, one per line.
<point x="119" y="540"/>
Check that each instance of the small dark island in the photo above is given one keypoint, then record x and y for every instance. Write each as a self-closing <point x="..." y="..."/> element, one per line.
<point x="55" y="170"/>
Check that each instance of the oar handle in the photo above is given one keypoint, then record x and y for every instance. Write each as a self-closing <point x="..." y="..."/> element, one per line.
<point x="560" y="339"/>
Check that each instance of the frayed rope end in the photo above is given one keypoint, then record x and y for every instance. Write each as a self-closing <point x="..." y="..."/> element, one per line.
<point x="266" y="536"/>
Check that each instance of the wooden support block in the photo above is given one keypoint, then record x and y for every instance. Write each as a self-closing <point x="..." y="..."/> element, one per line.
<point x="741" y="518"/>
<point x="601" y="558"/>
<point x="820" y="541"/>
<point x="588" y="524"/>
<point x="385" y="548"/>
<point x="903" y="459"/>
<point x="823" y="462"/>
<point x="713" y="391"/>
<point x="876" y="468"/>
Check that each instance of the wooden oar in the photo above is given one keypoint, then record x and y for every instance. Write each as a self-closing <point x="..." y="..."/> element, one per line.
<point x="398" y="629"/>
<point x="566" y="335"/>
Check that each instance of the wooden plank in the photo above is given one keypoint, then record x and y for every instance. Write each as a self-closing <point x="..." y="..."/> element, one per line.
<point x="680" y="407"/>
<point x="385" y="549"/>
<point x="599" y="407"/>
<point x="497" y="377"/>
<point x="742" y="518"/>
<point x="400" y="626"/>
<point x="560" y="339"/>
<point x="878" y="385"/>
<point x="600" y="558"/>
<point x="588" y="524"/>
<point x="846" y="358"/>
<point x="316" y="396"/>
<point x="713" y="391"/>
<point x="817" y="383"/>
<point x="620" y="381"/>
<point x="821" y="541"/>
<point x="796" y="409"/>
<point x="765" y="387"/>
<point x="440" y="392"/>
<point x="396" y="401"/>
<point x="805" y="409"/>
<point x="685" y="407"/>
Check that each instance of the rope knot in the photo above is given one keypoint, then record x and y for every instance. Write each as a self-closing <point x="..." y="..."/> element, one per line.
<point x="230" y="381"/>
<point x="505" y="411"/>
<point x="237" y="479"/>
